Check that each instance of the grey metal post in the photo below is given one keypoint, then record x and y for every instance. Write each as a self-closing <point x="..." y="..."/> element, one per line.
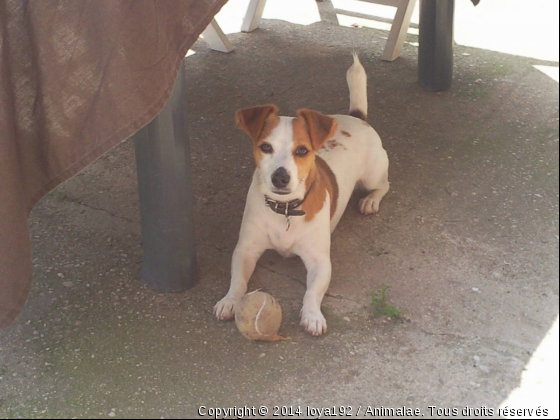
<point x="166" y="196"/>
<point x="435" y="53"/>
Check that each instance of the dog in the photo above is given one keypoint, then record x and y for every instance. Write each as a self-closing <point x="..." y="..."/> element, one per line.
<point x="307" y="170"/>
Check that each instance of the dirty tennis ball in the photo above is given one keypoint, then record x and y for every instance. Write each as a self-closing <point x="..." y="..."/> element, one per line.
<point x="258" y="317"/>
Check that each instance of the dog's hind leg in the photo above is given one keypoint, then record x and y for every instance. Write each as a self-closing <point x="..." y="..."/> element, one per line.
<point x="376" y="182"/>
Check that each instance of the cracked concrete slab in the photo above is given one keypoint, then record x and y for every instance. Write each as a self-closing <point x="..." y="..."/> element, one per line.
<point x="467" y="240"/>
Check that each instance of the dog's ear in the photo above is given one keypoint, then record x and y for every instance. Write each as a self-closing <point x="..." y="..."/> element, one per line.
<point x="253" y="120"/>
<point x="319" y="126"/>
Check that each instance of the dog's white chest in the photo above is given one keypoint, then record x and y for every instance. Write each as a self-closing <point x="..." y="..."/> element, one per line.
<point x="283" y="239"/>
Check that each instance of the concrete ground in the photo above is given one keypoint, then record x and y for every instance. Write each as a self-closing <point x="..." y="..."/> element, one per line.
<point x="467" y="240"/>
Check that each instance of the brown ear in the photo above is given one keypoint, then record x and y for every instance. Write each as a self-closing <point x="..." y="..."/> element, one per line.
<point x="319" y="126"/>
<point x="253" y="120"/>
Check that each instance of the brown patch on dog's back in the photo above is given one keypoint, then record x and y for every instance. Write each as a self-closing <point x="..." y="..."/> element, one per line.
<point x="321" y="180"/>
<point x="333" y="144"/>
<point x="346" y="134"/>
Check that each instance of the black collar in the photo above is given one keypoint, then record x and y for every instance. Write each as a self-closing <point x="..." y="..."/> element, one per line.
<point x="289" y="208"/>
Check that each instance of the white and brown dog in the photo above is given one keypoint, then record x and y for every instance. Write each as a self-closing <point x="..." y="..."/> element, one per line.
<point x="307" y="169"/>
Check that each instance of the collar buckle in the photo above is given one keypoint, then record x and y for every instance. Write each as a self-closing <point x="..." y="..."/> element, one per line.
<point x="289" y="208"/>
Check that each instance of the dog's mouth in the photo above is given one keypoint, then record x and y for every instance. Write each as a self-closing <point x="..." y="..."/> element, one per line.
<point x="281" y="192"/>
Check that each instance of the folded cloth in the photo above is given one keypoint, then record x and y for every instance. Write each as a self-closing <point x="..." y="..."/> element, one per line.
<point x="76" y="78"/>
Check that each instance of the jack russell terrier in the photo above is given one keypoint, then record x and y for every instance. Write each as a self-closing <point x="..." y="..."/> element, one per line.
<point x="307" y="169"/>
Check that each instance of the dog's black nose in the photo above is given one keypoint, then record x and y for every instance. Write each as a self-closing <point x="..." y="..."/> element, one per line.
<point x="280" y="178"/>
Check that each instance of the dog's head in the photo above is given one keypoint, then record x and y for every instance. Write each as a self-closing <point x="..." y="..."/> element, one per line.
<point x="284" y="148"/>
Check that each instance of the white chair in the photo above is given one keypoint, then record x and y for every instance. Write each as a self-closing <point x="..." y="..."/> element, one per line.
<point x="399" y="29"/>
<point x="216" y="38"/>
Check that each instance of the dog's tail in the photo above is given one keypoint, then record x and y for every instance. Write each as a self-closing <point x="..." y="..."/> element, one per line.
<point x="357" y="83"/>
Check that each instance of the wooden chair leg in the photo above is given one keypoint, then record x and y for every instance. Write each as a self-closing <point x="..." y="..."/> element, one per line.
<point x="216" y="38"/>
<point x="395" y="43"/>
<point x="254" y="15"/>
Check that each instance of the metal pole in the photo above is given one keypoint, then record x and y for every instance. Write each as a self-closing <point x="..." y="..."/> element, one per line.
<point x="166" y="196"/>
<point x="435" y="55"/>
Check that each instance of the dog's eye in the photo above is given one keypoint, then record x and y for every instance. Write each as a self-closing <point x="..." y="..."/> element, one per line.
<point x="301" y="151"/>
<point x="266" y="148"/>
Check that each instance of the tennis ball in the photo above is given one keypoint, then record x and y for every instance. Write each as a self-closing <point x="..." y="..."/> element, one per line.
<point x="258" y="317"/>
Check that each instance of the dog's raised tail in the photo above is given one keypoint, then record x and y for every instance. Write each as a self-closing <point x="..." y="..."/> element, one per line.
<point x="357" y="83"/>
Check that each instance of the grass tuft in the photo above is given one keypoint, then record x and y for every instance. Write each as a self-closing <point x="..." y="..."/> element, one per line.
<point x="381" y="306"/>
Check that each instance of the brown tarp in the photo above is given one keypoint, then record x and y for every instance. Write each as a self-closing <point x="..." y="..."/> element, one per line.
<point x="76" y="78"/>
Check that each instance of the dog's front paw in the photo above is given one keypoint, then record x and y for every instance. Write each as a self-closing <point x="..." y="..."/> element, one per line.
<point x="369" y="205"/>
<point x="225" y="308"/>
<point x="314" y="322"/>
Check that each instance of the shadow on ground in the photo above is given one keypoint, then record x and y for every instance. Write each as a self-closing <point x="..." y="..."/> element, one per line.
<point x="467" y="240"/>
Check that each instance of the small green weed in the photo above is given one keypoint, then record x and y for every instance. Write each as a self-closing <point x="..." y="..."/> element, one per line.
<point x="382" y="308"/>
